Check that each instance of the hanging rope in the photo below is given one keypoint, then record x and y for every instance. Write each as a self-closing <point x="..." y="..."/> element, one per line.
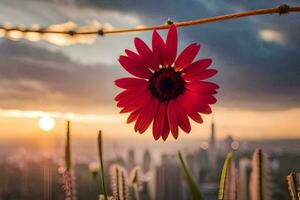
<point x="283" y="9"/>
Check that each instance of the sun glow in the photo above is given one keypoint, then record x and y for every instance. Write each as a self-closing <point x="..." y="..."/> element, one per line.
<point x="46" y="123"/>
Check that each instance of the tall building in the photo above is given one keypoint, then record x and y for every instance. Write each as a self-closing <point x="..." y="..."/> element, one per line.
<point x="145" y="191"/>
<point x="169" y="179"/>
<point x="212" y="152"/>
<point x="204" y="171"/>
<point x="244" y="178"/>
<point x="212" y="141"/>
<point x="146" y="161"/>
<point x="131" y="159"/>
<point x="228" y="144"/>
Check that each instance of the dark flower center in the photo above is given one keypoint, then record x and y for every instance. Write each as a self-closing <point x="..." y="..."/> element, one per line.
<point x="166" y="84"/>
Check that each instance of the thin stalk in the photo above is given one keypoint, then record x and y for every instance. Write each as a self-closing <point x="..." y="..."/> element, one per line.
<point x="195" y="192"/>
<point x="101" y="164"/>
<point x="68" y="148"/>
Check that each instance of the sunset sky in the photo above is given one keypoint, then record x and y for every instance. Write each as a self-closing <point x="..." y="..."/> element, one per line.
<point x="257" y="59"/>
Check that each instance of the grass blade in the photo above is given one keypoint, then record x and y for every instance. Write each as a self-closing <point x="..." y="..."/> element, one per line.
<point x="228" y="186"/>
<point x="101" y="164"/>
<point x="195" y="193"/>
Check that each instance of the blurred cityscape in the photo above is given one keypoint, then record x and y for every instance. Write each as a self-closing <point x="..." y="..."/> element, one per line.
<point x="25" y="175"/>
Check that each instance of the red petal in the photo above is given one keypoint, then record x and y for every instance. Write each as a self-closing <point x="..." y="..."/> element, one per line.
<point x="172" y="119"/>
<point x="193" y="103"/>
<point x="201" y="76"/>
<point x="135" y="67"/>
<point x="158" y="46"/>
<point x="202" y="99"/>
<point x="133" y="116"/>
<point x="187" y="56"/>
<point x="189" y="107"/>
<point x="201" y="87"/>
<point x="205" y="109"/>
<point x="134" y="107"/>
<point x="133" y="55"/>
<point x="198" y="99"/>
<point x="128" y="93"/>
<point x="166" y="130"/>
<point x="134" y="99"/>
<point x="182" y="118"/>
<point x="159" y="120"/>
<point x="196" y="117"/>
<point x="197" y="67"/>
<point x="120" y="95"/>
<point x="146" y="115"/>
<point x="146" y="53"/>
<point x="171" y="46"/>
<point x="131" y="83"/>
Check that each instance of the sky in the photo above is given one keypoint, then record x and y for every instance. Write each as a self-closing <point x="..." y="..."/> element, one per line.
<point x="257" y="59"/>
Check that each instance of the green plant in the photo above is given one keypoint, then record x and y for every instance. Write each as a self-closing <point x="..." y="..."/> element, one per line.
<point x="100" y="151"/>
<point x="228" y="181"/>
<point x="195" y="192"/>
<point x="69" y="179"/>
<point x="121" y="182"/>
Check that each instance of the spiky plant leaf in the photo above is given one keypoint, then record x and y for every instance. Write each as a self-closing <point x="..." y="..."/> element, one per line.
<point x="136" y="182"/>
<point x="195" y="192"/>
<point x="260" y="176"/>
<point x="293" y="180"/>
<point x="100" y="151"/>
<point x="228" y="182"/>
<point x="119" y="182"/>
<point x="135" y="176"/>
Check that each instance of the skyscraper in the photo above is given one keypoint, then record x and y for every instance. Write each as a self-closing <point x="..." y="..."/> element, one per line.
<point x="146" y="161"/>
<point x="244" y="178"/>
<point x="131" y="159"/>
<point x="212" y="136"/>
<point x="212" y="152"/>
<point x="168" y="179"/>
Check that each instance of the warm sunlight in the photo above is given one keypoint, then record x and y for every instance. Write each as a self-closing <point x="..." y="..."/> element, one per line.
<point x="149" y="100"/>
<point x="46" y="123"/>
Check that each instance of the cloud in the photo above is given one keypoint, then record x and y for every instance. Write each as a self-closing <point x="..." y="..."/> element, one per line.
<point x="34" y="114"/>
<point x="35" y="78"/>
<point x="270" y="35"/>
<point x="47" y="12"/>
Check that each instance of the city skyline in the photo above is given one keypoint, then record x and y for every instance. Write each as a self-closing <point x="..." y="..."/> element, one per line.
<point x="258" y="96"/>
<point x="161" y="179"/>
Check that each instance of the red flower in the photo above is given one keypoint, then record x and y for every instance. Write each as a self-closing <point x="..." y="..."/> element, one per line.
<point x="167" y="89"/>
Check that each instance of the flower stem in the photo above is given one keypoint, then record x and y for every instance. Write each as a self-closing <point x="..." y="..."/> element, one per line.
<point x="195" y="192"/>
<point x="101" y="164"/>
<point x="68" y="148"/>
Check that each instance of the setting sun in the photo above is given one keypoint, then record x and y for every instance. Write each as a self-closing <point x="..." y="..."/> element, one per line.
<point x="46" y="123"/>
